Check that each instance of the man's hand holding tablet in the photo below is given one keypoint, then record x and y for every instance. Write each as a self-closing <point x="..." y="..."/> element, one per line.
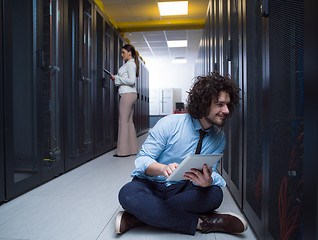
<point x="194" y="162"/>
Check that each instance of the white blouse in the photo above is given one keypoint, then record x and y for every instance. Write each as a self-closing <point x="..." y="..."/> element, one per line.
<point x="126" y="77"/>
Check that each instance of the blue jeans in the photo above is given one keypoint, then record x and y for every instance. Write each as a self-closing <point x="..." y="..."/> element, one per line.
<point x="176" y="207"/>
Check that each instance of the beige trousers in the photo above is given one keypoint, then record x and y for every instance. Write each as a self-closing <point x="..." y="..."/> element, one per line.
<point x="127" y="138"/>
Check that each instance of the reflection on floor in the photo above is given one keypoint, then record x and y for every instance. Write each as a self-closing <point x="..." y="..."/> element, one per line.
<point x="82" y="205"/>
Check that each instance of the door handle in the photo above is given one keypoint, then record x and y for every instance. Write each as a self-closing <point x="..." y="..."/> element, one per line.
<point x="54" y="68"/>
<point x="264" y="8"/>
<point x="86" y="79"/>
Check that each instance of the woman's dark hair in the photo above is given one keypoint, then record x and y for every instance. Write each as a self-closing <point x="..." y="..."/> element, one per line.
<point x="208" y="88"/>
<point x="130" y="48"/>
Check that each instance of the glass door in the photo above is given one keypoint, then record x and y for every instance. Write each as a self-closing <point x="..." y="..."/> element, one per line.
<point x="21" y="98"/>
<point x="85" y="84"/>
<point x="53" y="160"/>
<point x="78" y="88"/>
<point x="102" y="123"/>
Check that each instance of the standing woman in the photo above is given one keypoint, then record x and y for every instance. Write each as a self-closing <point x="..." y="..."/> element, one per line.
<point x="126" y="80"/>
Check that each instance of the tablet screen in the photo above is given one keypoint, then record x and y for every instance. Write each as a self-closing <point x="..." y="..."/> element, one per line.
<point x="193" y="161"/>
<point x="108" y="72"/>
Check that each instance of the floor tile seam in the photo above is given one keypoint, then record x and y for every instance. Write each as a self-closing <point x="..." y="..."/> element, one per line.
<point x="108" y="222"/>
<point x="14" y="238"/>
<point x="86" y="197"/>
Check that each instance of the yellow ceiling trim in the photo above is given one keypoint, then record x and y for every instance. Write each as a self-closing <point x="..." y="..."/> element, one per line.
<point x="174" y="24"/>
<point x="100" y="4"/>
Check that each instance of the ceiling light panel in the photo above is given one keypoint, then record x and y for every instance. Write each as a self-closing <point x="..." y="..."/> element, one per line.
<point x="179" y="60"/>
<point x="173" y="8"/>
<point x="177" y="43"/>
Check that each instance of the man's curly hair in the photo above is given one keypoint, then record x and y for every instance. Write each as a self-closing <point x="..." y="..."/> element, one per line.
<point x="208" y="88"/>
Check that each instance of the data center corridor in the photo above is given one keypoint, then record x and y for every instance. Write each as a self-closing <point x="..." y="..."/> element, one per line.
<point x="82" y="204"/>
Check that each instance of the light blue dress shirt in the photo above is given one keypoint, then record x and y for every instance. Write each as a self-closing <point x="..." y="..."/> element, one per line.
<point x="172" y="139"/>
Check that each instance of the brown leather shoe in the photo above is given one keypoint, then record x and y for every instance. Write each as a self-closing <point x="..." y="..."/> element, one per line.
<point x="126" y="221"/>
<point x="223" y="222"/>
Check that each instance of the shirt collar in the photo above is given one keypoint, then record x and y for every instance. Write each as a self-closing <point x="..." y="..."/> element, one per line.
<point x="197" y="126"/>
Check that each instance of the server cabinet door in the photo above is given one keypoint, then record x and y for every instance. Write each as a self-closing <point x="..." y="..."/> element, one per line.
<point x="21" y="98"/>
<point x="254" y="125"/>
<point x="85" y="88"/>
<point x="112" y="88"/>
<point x="137" y="106"/>
<point x="234" y="150"/>
<point x="118" y="62"/>
<point x="286" y="119"/>
<point x="52" y="99"/>
<point x="2" y="197"/>
<point x="106" y="88"/>
<point x="78" y="87"/>
<point x="102" y="111"/>
<point x="216" y="39"/>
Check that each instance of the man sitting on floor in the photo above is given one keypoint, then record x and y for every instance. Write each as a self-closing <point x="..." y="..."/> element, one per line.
<point x="187" y="205"/>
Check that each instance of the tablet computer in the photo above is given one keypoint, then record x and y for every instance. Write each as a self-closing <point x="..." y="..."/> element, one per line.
<point x="193" y="161"/>
<point x="108" y="72"/>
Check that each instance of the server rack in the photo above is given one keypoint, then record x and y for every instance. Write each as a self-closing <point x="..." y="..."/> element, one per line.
<point x="107" y="101"/>
<point x="113" y="89"/>
<point x="50" y="51"/>
<point x="59" y="109"/>
<point x="286" y="119"/>
<point x="137" y="109"/>
<point x="101" y="87"/>
<point x="263" y="164"/>
<point x="255" y="101"/>
<point x="232" y="160"/>
<point x="78" y="90"/>
<point x="311" y="129"/>
<point x="2" y="179"/>
<point x="21" y="98"/>
<point x="145" y="102"/>
<point x="118" y="62"/>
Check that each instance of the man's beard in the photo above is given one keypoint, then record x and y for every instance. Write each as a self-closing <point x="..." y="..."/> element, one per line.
<point x="215" y="123"/>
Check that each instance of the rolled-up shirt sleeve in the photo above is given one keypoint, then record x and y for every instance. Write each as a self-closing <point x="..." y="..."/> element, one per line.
<point x="152" y="147"/>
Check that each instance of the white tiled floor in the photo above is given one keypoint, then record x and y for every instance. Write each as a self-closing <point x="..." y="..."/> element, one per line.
<point x="82" y="205"/>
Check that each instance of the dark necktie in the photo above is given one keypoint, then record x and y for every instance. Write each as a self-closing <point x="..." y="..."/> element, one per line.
<point x="202" y="134"/>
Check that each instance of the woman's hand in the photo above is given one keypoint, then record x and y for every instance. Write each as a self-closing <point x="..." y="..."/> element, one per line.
<point x="203" y="179"/>
<point x="112" y="77"/>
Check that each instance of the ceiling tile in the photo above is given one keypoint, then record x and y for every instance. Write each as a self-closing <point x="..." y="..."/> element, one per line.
<point x="158" y="44"/>
<point x="178" y="52"/>
<point x="177" y="35"/>
<point x="151" y="44"/>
